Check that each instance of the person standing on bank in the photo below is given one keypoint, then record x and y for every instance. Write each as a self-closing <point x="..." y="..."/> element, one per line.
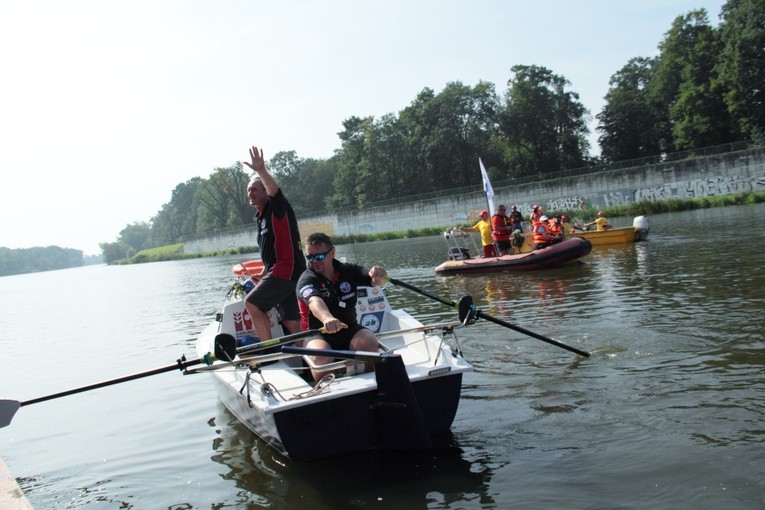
<point x="328" y="287"/>
<point x="279" y="242"/>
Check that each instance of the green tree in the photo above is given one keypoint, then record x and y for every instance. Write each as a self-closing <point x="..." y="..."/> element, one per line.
<point x="32" y="260"/>
<point x="221" y="200"/>
<point x="136" y="237"/>
<point x="698" y="116"/>
<point x="176" y="219"/>
<point x="352" y="164"/>
<point x="628" y="121"/>
<point x="742" y="64"/>
<point x="460" y="123"/>
<point x="690" y="108"/>
<point x="545" y="125"/>
<point x="305" y="182"/>
<point x="112" y="252"/>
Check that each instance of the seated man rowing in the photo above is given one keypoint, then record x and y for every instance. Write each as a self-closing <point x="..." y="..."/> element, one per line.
<point x="601" y="223"/>
<point x="328" y="287"/>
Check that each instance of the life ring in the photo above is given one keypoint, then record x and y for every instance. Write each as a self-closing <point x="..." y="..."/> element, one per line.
<point x="247" y="268"/>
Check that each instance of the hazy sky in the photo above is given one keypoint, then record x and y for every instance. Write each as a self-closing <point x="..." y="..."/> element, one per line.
<point x="106" y="106"/>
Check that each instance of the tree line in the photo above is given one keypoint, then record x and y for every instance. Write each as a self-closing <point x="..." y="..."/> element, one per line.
<point x="703" y="88"/>
<point x="32" y="260"/>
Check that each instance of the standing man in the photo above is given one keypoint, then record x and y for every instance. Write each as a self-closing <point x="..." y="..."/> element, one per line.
<point x="516" y="218"/>
<point x="501" y="227"/>
<point x="328" y="287"/>
<point x="483" y="225"/>
<point x="279" y="242"/>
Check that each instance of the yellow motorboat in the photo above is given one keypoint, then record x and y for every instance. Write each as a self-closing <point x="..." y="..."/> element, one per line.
<point x="623" y="235"/>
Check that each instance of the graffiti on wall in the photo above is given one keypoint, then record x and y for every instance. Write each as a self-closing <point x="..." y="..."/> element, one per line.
<point x="564" y="204"/>
<point x="699" y="188"/>
<point x="619" y="197"/>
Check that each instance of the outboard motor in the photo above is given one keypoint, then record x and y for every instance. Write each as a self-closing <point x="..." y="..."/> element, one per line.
<point x="457" y="253"/>
<point x="642" y="226"/>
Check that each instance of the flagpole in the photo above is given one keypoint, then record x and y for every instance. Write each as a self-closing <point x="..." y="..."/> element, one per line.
<point x="489" y="191"/>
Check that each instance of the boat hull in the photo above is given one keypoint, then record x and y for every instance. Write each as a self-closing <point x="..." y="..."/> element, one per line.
<point x="362" y="422"/>
<point x="623" y="235"/>
<point x="558" y="254"/>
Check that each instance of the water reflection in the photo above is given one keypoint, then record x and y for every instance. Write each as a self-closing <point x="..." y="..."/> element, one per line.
<point x="441" y="477"/>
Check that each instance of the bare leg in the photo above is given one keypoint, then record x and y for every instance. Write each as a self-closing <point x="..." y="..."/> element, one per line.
<point x="259" y="320"/>
<point x="292" y="326"/>
<point x="365" y="340"/>
<point x="318" y="343"/>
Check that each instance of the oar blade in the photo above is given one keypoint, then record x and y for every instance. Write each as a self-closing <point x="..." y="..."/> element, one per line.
<point x="466" y="309"/>
<point x="225" y="347"/>
<point x="8" y="408"/>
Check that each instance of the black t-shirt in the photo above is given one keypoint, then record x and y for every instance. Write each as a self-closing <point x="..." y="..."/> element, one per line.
<point x="279" y="239"/>
<point x="339" y="296"/>
<point x="516" y="218"/>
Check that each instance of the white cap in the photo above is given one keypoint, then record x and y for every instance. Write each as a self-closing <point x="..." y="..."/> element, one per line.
<point x="543" y="218"/>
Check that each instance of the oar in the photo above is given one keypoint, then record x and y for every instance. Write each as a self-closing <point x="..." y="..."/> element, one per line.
<point x="245" y="359"/>
<point x="466" y="309"/>
<point x="225" y="343"/>
<point x="366" y="356"/>
<point x="225" y="350"/>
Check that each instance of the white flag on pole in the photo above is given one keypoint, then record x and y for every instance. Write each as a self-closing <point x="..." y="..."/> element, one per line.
<point x="487" y="188"/>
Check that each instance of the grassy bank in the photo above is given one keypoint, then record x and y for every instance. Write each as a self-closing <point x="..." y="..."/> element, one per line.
<point x="175" y="251"/>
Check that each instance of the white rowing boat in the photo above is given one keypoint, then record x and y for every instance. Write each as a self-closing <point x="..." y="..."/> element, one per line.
<point x="411" y="396"/>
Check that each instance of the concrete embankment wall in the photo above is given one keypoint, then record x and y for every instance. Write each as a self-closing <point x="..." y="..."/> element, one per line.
<point x="734" y="172"/>
<point x="11" y="497"/>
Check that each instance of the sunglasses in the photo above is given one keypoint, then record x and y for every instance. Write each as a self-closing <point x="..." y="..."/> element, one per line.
<point x="318" y="256"/>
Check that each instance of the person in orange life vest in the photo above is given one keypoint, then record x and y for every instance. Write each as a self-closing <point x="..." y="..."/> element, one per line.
<point x="536" y="213"/>
<point x="279" y="242"/>
<point x="556" y="229"/>
<point x="501" y="229"/>
<point x="601" y="223"/>
<point x="484" y="227"/>
<point x="542" y="237"/>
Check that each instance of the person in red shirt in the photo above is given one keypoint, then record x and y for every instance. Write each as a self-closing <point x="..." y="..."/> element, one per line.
<point x="501" y="228"/>
<point x="279" y="242"/>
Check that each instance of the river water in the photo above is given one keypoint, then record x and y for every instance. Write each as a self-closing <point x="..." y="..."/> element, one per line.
<point x="669" y="411"/>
